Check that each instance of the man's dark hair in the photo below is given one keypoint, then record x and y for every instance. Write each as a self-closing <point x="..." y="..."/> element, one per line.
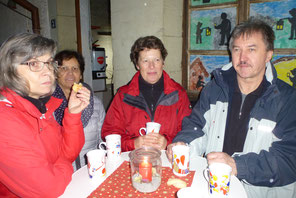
<point x="251" y="26"/>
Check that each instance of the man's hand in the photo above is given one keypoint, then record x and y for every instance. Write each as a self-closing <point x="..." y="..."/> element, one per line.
<point x="222" y="158"/>
<point x="169" y="152"/>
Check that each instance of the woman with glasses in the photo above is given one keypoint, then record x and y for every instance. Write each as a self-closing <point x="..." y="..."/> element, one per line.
<point x="36" y="152"/>
<point x="70" y="71"/>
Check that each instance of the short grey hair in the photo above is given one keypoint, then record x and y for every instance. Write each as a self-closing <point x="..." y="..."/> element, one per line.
<point x="18" y="49"/>
<point x="254" y="25"/>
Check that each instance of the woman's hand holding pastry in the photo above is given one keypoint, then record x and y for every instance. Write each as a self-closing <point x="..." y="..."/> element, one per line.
<point x="78" y="100"/>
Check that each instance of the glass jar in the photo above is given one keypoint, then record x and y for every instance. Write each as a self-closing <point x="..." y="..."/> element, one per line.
<point x="146" y="169"/>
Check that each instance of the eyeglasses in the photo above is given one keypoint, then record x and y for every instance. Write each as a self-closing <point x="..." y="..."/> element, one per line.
<point x="66" y="69"/>
<point x="36" y="66"/>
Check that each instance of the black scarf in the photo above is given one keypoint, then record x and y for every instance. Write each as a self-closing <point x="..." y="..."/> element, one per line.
<point x="39" y="103"/>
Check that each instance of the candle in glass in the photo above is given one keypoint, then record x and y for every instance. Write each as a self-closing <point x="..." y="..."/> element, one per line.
<point x="145" y="170"/>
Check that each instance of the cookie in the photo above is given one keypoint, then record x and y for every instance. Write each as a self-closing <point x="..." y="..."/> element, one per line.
<point x="178" y="183"/>
<point x="77" y="86"/>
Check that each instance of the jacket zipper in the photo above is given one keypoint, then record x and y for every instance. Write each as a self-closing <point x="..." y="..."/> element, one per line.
<point x="152" y="106"/>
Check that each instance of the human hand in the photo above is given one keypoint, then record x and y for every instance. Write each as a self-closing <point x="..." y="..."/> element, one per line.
<point x="169" y="151"/>
<point x="156" y="140"/>
<point x="139" y="142"/>
<point x="222" y="157"/>
<point x="78" y="100"/>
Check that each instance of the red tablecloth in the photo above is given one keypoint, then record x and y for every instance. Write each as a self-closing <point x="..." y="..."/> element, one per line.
<point x="119" y="184"/>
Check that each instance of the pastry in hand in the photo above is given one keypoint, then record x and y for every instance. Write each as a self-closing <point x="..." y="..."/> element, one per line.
<point x="178" y="183"/>
<point x="77" y="86"/>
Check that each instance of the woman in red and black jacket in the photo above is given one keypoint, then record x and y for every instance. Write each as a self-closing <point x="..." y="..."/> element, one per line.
<point x="151" y="95"/>
<point x="36" y="152"/>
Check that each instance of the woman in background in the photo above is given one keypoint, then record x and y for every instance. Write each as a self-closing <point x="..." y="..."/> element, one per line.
<point x="70" y="71"/>
<point x="36" y="152"/>
<point x="151" y="95"/>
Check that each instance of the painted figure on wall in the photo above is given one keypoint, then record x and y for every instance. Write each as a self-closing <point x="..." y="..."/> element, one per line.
<point x="200" y="83"/>
<point x="198" y="32"/>
<point x="197" y="75"/>
<point x="208" y="29"/>
<point x="281" y="15"/>
<point x="225" y="28"/>
<point x="293" y="23"/>
<point x="292" y="78"/>
<point x="204" y="1"/>
<point x="285" y="66"/>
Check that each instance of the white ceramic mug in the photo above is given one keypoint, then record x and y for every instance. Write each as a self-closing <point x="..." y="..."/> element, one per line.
<point x="113" y="146"/>
<point x="96" y="163"/>
<point x="151" y="127"/>
<point x="218" y="176"/>
<point x="180" y="160"/>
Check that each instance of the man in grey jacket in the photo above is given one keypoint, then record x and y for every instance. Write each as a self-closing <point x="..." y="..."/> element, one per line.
<point x="246" y="117"/>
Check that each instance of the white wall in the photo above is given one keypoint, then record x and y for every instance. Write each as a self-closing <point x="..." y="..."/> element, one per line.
<point x="52" y="14"/>
<point x="134" y="18"/>
<point x="86" y="40"/>
<point x="42" y="6"/>
<point x="172" y="37"/>
<point x="66" y="24"/>
<point x="12" y="22"/>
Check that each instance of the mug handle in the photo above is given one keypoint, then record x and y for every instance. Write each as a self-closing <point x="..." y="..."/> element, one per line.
<point x="100" y="145"/>
<point x="206" y="175"/>
<point x="140" y="131"/>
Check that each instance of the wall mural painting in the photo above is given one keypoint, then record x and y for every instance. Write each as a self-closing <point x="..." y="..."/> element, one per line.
<point x="281" y="15"/>
<point x="201" y="67"/>
<point x="285" y="66"/>
<point x="209" y="2"/>
<point x="210" y="29"/>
